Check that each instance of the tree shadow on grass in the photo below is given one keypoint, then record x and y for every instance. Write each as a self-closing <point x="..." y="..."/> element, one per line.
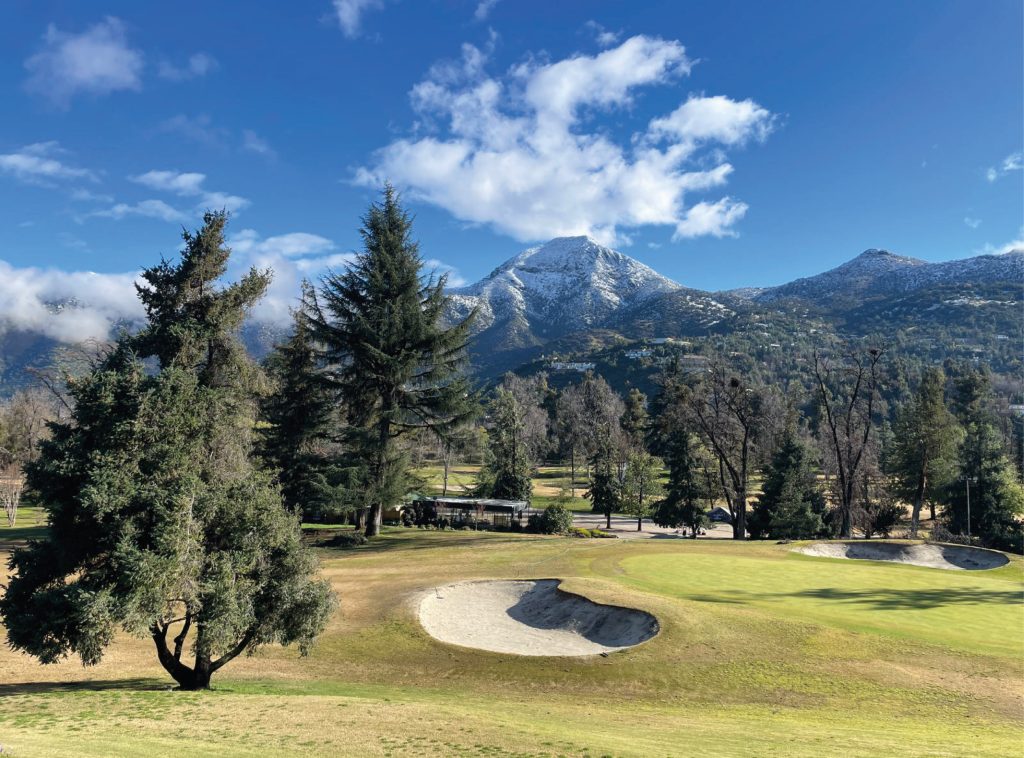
<point x="896" y="599"/>
<point x="877" y="599"/>
<point x="104" y="685"/>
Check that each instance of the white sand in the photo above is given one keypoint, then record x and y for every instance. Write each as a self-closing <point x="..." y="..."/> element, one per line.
<point x="530" y="618"/>
<point x="955" y="557"/>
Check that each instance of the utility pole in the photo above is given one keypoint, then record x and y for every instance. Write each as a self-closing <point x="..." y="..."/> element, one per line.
<point x="967" y="482"/>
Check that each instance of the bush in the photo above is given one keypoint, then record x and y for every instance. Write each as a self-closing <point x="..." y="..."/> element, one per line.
<point x="555" y="519"/>
<point x="577" y="531"/>
<point x="345" y="540"/>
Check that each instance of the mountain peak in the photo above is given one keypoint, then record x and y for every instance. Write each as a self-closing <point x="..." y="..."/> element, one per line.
<point x="568" y="283"/>
<point x="876" y="255"/>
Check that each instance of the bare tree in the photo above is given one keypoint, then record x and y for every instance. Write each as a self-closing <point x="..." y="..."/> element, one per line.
<point x="11" y="485"/>
<point x="848" y="395"/>
<point x="726" y="412"/>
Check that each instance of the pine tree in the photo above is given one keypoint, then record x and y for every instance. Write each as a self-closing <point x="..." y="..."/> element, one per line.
<point x="997" y="498"/>
<point x="160" y="519"/>
<point x="924" y="440"/>
<point x="393" y="361"/>
<point x="604" y="492"/>
<point x="300" y="420"/>
<point x="682" y="505"/>
<point x="791" y="504"/>
<point x="635" y="420"/>
<point x="507" y="474"/>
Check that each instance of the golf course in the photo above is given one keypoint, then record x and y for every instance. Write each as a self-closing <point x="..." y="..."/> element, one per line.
<point x="760" y="650"/>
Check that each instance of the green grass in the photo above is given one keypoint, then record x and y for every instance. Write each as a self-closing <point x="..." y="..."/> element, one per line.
<point x="761" y="652"/>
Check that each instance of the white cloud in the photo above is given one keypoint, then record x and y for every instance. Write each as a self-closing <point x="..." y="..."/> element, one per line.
<point x="711" y="219"/>
<point x="350" y="14"/>
<point x="515" y="152"/>
<point x="1013" y="246"/>
<point x="293" y="257"/>
<point x="29" y="296"/>
<point x="717" y="119"/>
<point x="256" y="144"/>
<point x="293" y="245"/>
<point x="439" y="268"/>
<point x="157" y="209"/>
<point x="198" y="65"/>
<point x="483" y="9"/>
<point x="196" y="128"/>
<point x="190" y="184"/>
<point x="172" y="181"/>
<point x="38" y="164"/>
<point x="98" y="61"/>
<point x="974" y="223"/>
<point x="603" y="37"/>
<point x="1012" y="162"/>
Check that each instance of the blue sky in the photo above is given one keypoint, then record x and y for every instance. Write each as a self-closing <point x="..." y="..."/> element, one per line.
<point x="725" y="144"/>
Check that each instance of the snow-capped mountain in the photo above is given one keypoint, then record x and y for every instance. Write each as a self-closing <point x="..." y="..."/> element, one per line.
<point x="565" y="285"/>
<point x="879" y="272"/>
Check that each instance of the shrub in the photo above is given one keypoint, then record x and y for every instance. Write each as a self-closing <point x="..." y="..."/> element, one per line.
<point x="577" y="531"/>
<point x="346" y="540"/>
<point x="555" y="519"/>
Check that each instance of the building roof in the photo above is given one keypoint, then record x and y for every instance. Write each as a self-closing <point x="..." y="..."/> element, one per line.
<point x="491" y="504"/>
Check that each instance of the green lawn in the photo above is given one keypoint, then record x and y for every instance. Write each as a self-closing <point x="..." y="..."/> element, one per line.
<point x="761" y="652"/>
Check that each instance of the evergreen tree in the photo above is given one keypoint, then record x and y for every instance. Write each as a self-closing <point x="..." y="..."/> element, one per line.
<point x="997" y="498"/>
<point x="640" y="486"/>
<point x="604" y="492"/>
<point x="682" y="505"/>
<point x="159" y="519"/>
<point x="300" y="419"/>
<point x="923" y="443"/>
<point x="635" y="419"/>
<point x="791" y="504"/>
<point x="508" y="473"/>
<point x="396" y="365"/>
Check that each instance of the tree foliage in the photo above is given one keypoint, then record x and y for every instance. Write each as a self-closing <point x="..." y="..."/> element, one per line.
<point x="640" y="486"/>
<point x="389" y="353"/>
<point x="792" y="504"/>
<point x="508" y="473"/>
<point x="160" y="520"/>
<point x="925" y="438"/>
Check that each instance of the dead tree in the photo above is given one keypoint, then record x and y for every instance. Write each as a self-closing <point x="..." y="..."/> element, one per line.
<point x="849" y="396"/>
<point x="11" y="486"/>
<point x="726" y="413"/>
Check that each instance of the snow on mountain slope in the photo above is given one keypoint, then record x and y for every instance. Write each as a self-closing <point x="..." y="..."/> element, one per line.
<point x="879" y="272"/>
<point x="567" y="284"/>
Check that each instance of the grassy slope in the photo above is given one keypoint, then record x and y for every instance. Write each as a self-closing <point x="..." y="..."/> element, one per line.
<point x="762" y="652"/>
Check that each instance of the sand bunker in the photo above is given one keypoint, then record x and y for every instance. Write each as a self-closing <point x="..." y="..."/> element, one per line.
<point x="956" y="557"/>
<point x="530" y="618"/>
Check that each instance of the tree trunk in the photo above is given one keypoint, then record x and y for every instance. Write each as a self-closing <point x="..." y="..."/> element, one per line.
<point x="846" y="513"/>
<point x="374" y="518"/>
<point x="444" y="484"/>
<point x="572" y="471"/>
<point x="197" y="678"/>
<point x="915" y="516"/>
<point x="376" y="512"/>
<point x="608" y="519"/>
<point x="639" y="523"/>
<point x="739" y="524"/>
